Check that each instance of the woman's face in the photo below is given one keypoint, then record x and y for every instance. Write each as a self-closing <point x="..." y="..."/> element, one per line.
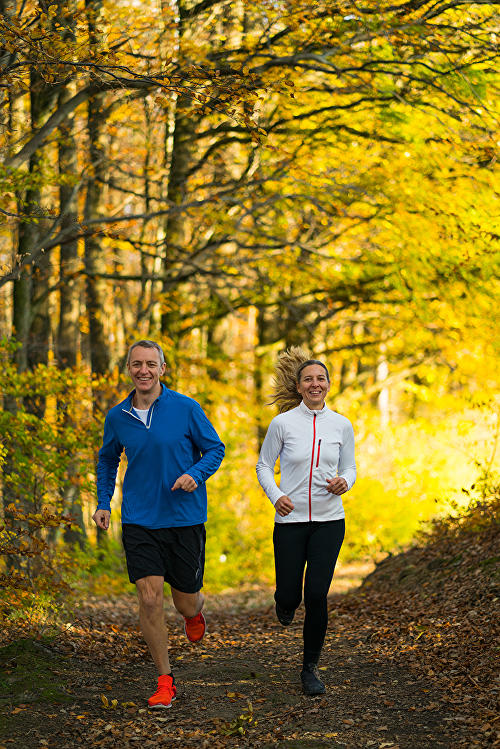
<point x="314" y="386"/>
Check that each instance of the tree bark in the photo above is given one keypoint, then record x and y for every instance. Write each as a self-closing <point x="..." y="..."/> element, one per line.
<point x="68" y="330"/>
<point x="95" y="262"/>
<point x="31" y="320"/>
<point x="184" y="128"/>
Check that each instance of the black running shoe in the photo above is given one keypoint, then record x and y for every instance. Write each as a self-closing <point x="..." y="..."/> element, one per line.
<point x="311" y="683"/>
<point x="284" y="617"/>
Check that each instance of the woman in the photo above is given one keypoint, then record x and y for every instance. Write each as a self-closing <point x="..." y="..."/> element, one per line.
<point x="316" y="450"/>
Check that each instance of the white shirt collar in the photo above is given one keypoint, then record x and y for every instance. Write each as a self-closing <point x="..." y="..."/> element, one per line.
<point x="306" y="410"/>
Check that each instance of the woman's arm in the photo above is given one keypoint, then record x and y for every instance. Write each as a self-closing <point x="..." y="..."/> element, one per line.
<point x="347" y="464"/>
<point x="269" y="453"/>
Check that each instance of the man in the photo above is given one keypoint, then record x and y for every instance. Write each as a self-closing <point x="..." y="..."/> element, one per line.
<point x="171" y="449"/>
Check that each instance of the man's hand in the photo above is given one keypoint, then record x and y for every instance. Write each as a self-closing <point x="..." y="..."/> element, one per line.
<point x="185" y="482"/>
<point x="337" y="485"/>
<point x="284" y="506"/>
<point x="101" y="519"/>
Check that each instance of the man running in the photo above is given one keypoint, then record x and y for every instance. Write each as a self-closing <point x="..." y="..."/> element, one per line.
<point x="172" y="449"/>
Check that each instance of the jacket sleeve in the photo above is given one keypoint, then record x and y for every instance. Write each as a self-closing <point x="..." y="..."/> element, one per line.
<point x="347" y="464"/>
<point x="269" y="453"/>
<point x="207" y="441"/>
<point x="107" y="466"/>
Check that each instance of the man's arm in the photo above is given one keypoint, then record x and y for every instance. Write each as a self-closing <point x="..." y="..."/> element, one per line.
<point x="107" y="467"/>
<point x="208" y="443"/>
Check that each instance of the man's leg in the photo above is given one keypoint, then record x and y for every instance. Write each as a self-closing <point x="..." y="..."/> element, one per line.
<point x="152" y="620"/>
<point x="187" y="604"/>
<point x="185" y="567"/>
<point x="146" y="568"/>
<point x="190" y="606"/>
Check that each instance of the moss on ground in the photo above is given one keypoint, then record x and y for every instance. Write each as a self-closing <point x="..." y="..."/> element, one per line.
<point x="30" y="671"/>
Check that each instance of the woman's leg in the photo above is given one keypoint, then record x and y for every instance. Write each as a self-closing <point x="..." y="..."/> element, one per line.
<point x="323" y="547"/>
<point x="290" y="546"/>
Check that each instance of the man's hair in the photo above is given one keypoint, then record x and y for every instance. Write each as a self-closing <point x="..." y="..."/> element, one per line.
<point x="146" y="344"/>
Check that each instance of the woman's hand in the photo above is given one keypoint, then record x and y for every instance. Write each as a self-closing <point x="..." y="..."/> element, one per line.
<point x="284" y="506"/>
<point x="336" y="486"/>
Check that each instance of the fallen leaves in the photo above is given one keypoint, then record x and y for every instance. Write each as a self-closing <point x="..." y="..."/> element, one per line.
<point x="403" y="666"/>
<point x="107" y="704"/>
<point x="442" y="621"/>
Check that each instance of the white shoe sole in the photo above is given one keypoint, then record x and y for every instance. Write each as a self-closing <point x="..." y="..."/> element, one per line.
<point x="162" y="707"/>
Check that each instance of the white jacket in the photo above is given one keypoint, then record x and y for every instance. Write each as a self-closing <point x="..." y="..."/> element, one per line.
<point x="313" y="446"/>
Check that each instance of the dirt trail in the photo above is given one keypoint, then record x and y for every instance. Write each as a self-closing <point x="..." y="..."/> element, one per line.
<point x="239" y="687"/>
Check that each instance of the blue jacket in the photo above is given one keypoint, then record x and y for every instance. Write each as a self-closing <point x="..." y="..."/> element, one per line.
<point x="178" y="439"/>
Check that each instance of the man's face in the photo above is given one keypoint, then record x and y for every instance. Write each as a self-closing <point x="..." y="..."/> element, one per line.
<point x="145" y="369"/>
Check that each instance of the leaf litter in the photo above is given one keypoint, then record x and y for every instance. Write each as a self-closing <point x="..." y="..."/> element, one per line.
<point x="409" y="662"/>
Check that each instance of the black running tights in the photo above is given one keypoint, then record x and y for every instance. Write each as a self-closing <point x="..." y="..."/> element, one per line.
<point x="314" y="546"/>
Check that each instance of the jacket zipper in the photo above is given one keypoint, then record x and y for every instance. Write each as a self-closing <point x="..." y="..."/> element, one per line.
<point x="319" y="448"/>
<point x="312" y="465"/>
<point x="153" y="405"/>
<point x="150" y="415"/>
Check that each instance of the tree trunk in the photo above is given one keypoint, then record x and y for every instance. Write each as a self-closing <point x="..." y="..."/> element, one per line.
<point x="30" y="319"/>
<point x="184" y="128"/>
<point x="95" y="263"/>
<point x="42" y="98"/>
<point x="263" y="339"/>
<point x="68" y="330"/>
<point x="174" y="242"/>
<point x="31" y="297"/>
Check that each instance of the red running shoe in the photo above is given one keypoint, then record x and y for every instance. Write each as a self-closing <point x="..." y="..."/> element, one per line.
<point x="195" y="627"/>
<point x="165" y="694"/>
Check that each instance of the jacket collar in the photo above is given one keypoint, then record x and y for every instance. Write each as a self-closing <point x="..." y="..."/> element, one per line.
<point x="305" y="410"/>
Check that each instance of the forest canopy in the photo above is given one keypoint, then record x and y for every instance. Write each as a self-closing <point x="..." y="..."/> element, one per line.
<point x="231" y="179"/>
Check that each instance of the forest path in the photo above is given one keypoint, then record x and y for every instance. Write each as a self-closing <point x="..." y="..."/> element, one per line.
<point x="239" y="687"/>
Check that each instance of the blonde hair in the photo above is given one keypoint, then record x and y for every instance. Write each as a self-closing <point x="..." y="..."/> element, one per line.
<point x="287" y="376"/>
<point x="285" y="394"/>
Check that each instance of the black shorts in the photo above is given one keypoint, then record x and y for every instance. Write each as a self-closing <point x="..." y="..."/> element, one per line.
<point x="176" y="554"/>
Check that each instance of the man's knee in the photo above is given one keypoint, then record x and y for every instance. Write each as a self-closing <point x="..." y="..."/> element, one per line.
<point x="150" y="595"/>
<point x="187" y="604"/>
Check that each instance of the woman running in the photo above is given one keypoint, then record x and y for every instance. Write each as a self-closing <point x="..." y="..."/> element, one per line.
<point x="316" y="450"/>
